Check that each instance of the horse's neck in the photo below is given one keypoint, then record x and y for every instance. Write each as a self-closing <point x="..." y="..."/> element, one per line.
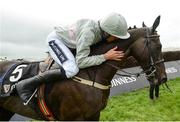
<point x="105" y="73"/>
<point x="136" y="35"/>
<point x="100" y="74"/>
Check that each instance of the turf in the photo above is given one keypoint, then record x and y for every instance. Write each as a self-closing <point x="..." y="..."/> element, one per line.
<point x="136" y="106"/>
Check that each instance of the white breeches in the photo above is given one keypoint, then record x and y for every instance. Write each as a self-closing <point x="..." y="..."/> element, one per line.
<point x="61" y="54"/>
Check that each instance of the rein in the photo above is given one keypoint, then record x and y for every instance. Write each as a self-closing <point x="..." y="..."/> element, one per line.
<point x="127" y="74"/>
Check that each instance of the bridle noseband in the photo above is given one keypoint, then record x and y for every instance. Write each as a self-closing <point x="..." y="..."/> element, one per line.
<point x="152" y="67"/>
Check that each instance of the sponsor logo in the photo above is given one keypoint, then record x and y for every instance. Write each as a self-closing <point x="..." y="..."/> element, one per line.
<point x="58" y="51"/>
<point x="171" y="70"/>
<point x="6" y="88"/>
<point x="122" y="80"/>
<point x="125" y="80"/>
<point x="9" y="88"/>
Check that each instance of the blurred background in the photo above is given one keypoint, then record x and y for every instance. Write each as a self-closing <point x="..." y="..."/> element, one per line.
<point x="25" y="24"/>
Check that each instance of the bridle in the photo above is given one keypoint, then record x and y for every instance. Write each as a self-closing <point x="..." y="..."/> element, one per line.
<point x="151" y="69"/>
<point x="152" y="66"/>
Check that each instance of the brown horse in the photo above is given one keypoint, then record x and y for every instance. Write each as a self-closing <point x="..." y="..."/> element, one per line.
<point x="69" y="100"/>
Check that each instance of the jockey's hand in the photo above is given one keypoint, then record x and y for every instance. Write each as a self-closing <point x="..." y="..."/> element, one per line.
<point x="113" y="54"/>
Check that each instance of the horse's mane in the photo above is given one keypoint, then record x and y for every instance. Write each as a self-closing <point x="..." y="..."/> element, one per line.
<point x="134" y="27"/>
<point x="103" y="46"/>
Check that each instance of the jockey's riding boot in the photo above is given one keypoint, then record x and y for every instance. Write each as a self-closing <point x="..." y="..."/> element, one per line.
<point x="26" y="87"/>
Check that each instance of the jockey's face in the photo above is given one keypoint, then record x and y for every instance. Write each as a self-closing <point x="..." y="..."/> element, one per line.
<point x="111" y="38"/>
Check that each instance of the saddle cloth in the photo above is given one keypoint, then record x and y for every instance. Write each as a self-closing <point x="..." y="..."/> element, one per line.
<point x="16" y="73"/>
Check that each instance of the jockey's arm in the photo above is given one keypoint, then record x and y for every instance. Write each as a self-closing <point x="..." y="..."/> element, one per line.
<point x="83" y="59"/>
<point x="84" y="42"/>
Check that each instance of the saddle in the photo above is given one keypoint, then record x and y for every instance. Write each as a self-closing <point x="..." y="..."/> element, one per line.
<point x="23" y="70"/>
<point x="17" y="72"/>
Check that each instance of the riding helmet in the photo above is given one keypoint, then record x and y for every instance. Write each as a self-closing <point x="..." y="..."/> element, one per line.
<point x="115" y="25"/>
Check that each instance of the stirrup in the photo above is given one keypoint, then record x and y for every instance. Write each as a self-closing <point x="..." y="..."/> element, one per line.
<point x="26" y="102"/>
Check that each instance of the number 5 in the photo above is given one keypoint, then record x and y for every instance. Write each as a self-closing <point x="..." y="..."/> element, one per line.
<point x="18" y="70"/>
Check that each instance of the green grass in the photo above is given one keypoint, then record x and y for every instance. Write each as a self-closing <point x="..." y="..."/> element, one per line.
<point x="137" y="105"/>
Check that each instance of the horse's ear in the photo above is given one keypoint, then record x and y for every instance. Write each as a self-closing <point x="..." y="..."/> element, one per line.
<point x="143" y="25"/>
<point x="156" y="23"/>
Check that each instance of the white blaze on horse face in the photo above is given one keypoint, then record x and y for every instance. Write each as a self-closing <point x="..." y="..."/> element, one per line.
<point x="18" y="70"/>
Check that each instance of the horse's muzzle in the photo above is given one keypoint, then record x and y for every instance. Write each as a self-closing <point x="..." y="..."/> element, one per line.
<point x="163" y="80"/>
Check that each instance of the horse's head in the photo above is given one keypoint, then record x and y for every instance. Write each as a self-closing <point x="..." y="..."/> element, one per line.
<point x="145" y="46"/>
<point x="146" y="49"/>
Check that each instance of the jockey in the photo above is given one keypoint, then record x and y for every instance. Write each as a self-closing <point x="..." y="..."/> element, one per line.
<point x="80" y="36"/>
